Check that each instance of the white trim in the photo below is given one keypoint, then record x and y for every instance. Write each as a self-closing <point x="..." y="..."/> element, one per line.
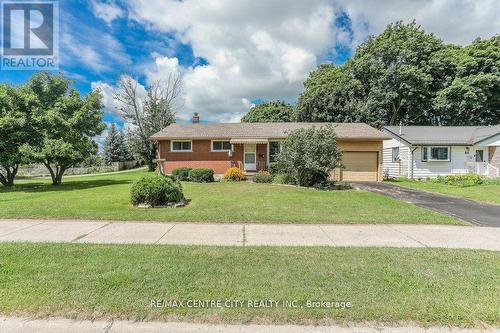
<point x="429" y="148"/>
<point x="255" y="156"/>
<point x="222" y="150"/>
<point x="180" y="151"/>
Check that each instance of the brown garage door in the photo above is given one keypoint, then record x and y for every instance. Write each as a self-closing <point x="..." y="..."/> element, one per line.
<point x="360" y="166"/>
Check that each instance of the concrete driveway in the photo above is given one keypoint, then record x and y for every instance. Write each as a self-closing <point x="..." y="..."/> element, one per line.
<point x="464" y="209"/>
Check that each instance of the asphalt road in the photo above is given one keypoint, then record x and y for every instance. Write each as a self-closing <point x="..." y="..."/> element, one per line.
<point x="464" y="209"/>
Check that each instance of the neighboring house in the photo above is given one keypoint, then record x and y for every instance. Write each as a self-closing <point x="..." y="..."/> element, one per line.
<point x="431" y="151"/>
<point x="252" y="146"/>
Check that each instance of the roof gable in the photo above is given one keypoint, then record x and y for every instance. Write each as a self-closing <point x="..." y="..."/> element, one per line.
<point x="445" y="135"/>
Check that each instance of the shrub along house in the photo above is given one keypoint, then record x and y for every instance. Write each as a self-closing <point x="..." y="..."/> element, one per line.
<point x="252" y="146"/>
<point x="431" y="151"/>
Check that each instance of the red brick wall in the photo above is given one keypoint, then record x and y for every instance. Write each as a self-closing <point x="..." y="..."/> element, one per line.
<point x="494" y="156"/>
<point x="261" y="156"/>
<point x="200" y="157"/>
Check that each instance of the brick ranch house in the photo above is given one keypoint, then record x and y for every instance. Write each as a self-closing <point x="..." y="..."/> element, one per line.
<point x="252" y="146"/>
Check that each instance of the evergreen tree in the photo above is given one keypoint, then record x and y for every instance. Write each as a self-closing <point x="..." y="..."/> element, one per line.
<point x="123" y="148"/>
<point x="112" y="147"/>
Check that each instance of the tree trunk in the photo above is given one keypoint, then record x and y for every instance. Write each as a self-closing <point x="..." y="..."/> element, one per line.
<point x="8" y="179"/>
<point x="151" y="166"/>
<point x="152" y="157"/>
<point x="394" y="116"/>
<point x="59" y="175"/>
<point x="56" y="174"/>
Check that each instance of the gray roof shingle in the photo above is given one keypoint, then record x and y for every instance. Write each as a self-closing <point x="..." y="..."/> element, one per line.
<point x="352" y="131"/>
<point x="448" y="135"/>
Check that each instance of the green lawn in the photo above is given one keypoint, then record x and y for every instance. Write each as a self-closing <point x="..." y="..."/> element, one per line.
<point x="427" y="286"/>
<point x="489" y="193"/>
<point x="106" y="197"/>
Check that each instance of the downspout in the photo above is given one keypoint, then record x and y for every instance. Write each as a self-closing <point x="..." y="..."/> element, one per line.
<point x="412" y="165"/>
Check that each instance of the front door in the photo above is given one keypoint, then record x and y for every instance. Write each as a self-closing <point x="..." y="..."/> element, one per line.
<point x="250" y="157"/>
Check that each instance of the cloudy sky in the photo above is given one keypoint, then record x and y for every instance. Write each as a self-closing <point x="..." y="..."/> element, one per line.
<point x="235" y="53"/>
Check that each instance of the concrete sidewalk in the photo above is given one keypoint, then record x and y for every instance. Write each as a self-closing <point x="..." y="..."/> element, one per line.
<point x="237" y="234"/>
<point x="60" y="325"/>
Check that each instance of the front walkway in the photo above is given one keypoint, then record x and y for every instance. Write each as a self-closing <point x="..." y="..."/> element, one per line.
<point x="464" y="209"/>
<point x="237" y="234"/>
<point x="60" y="325"/>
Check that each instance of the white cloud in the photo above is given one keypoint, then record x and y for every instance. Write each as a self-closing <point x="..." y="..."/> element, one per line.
<point x="455" y="21"/>
<point x="266" y="49"/>
<point x="162" y="69"/>
<point x="107" y="11"/>
<point x="254" y="49"/>
<point x="107" y="92"/>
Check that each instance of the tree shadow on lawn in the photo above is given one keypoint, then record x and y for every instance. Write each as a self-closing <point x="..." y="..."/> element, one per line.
<point x="65" y="186"/>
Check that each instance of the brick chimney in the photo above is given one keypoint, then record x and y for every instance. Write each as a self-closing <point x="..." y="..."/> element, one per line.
<point x="196" y="118"/>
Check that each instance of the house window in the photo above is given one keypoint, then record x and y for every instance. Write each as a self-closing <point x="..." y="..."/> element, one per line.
<point x="480" y="155"/>
<point x="436" y="154"/>
<point x="181" y="146"/>
<point x="395" y="154"/>
<point x="221" y="145"/>
<point x="274" y="150"/>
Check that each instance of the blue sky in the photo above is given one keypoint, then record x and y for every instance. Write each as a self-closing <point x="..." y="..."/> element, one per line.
<point x="81" y="30"/>
<point x="233" y="54"/>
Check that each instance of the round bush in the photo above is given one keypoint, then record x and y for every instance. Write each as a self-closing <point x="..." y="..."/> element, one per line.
<point x="181" y="174"/>
<point x="201" y="175"/>
<point x="234" y="174"/>
<point x="155" y="190"/>
<point x="263" y="177"/>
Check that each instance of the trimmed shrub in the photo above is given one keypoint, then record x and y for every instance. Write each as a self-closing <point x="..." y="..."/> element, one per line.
<point x="155" y="190"/>
<point x="284" y="178"/>
<point x="263" y="177"/>
<point x="469" y="179"/>
<point x="234" y="174"/>
<point x="201" y="175"/>
<point x="181" y="173"/>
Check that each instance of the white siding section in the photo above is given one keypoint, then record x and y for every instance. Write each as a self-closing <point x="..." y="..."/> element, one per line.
<point x="432" y="169"/>
<point x="395" y="169"/>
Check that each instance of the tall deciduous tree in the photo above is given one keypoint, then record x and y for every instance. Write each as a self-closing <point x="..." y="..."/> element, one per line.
<point x="64" y="123"/>
<point x="408" y="76"/>
<point x="270" y="112"/>
<point x="397" y="72"/>
<point x="15" y="130"/>
<point x="148" y="111"/>
<point x="331" y="95"/>
<point x="473" y="96"/>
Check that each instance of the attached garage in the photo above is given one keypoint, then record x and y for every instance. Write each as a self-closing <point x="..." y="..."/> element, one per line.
<point x="360" y="166"/>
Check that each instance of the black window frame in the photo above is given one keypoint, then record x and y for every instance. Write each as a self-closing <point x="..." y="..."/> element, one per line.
<point x="272" y="155"/>
<point x="395" y="157"/>
<point x="223" y="143"/>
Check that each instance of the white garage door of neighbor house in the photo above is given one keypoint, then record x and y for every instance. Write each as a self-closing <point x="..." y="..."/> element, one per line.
<point x="360" y="166"/>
